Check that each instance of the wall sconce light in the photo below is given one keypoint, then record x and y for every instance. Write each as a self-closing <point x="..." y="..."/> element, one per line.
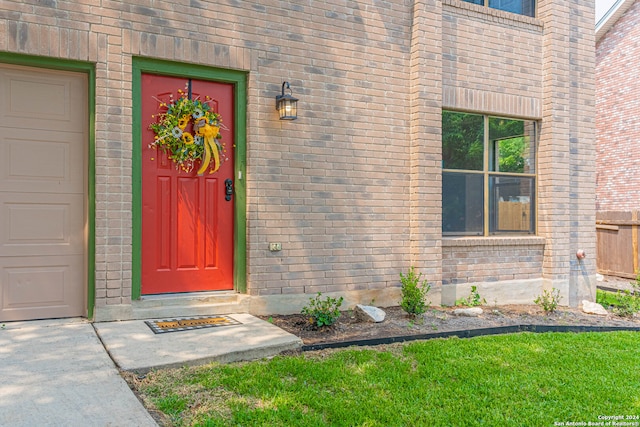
<point x="287" y="104"/>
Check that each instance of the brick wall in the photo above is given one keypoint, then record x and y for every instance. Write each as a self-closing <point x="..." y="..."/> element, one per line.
<point x="425" y="143"/>
<point x="352" y="189"/>
<point x="491" y="60"/>
<point x="331" y="186"/>
<point x="465" y="260"/>
<point x="566" y="165"/>
<point x="491" y="64"/>
<point x="536" y="68"/>
<point x="617" y="119"/>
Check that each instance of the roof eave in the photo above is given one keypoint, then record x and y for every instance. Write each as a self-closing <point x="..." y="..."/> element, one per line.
<point x="611" y="17"/>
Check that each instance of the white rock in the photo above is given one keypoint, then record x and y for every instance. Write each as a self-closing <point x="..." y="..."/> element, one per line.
<point x="593" y="308"/>
<point x="599" y="277"/>
<point x="368" y="313"/>
<point x="468" y="312"/>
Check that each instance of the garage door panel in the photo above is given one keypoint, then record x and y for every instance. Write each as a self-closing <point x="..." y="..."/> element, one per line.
<point x="34" y="285"/>
<point x="32" y="99"/>
<point x="41" y="162"/>
<point x="43" y="193"/>
<point x="52" y="225"/>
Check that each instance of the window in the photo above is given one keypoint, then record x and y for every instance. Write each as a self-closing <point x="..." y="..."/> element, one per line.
<point x="488" y="174"/>
<point x="521" y="7"/>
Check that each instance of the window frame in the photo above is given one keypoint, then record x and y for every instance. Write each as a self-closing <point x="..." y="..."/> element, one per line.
<point x="485" y="3"/>
<point x="488" y="174"/>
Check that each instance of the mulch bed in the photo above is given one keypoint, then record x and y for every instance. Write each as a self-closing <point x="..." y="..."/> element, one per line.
<point x="441" y="322"/>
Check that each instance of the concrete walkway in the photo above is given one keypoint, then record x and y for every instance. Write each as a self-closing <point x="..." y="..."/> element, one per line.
<point x="612" y="283"/>
<point x="59" y="373"/>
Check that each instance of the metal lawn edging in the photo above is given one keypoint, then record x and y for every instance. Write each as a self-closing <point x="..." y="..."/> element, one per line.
<point x="470" y="333"/>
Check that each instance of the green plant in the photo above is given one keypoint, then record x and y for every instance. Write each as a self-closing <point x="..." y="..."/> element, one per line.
<point x="473" y="300"/>
<point x="323" y="312"/>
<point x="628" y="300"/>
<point x="604" y="298"/>
<point x="414" y="293"/>
<point x="410" y="324"/>
<point x="624" y="303"/>
<point x="628" y="304"/>
<point x="549" y="300"/>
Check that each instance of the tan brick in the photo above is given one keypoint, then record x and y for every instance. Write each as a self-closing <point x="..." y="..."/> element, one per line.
<point x="352" y="189"/>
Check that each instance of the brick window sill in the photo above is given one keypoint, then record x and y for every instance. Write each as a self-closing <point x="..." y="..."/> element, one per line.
<point x="493" y="241"/>
<point x="493" y="14"/>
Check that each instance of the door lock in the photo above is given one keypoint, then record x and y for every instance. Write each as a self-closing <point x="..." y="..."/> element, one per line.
<point x="228" y="189"/>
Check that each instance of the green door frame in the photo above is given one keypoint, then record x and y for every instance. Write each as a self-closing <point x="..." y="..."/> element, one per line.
<point x="89" y="69"/>
<point x="239" y="80"/>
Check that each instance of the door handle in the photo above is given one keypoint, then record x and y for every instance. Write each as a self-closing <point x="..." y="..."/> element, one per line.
<point x="228" y="189"/>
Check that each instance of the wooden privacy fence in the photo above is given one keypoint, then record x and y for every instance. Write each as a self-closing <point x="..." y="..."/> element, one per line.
<point x="617" y="243"/>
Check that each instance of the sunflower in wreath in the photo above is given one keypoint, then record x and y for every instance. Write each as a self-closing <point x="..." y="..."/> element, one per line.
<point x="189" y="131"/>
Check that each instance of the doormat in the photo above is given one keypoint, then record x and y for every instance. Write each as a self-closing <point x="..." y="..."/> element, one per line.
<point x="189" y="323"/>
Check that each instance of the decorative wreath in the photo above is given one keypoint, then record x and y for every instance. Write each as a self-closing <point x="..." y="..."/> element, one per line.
<point x="189" y="131"/>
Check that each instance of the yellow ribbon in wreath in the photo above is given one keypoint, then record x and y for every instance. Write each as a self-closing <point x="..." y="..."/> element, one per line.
<point x="209" y="134"/>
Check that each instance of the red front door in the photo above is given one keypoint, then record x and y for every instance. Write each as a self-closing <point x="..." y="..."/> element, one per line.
<point x="187" y="223"/>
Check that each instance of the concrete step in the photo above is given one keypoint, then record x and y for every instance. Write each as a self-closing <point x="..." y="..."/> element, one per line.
<point x="134" y="347"/>
<point x="193" y="304"/>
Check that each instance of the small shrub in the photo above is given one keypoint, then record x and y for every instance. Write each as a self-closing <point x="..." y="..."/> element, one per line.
<point x="414" y="293"/>
<point x="625" y="303"/>
<point x="628" y="302"/>
<point x="323" y="312"/>
<point x="473" y="300"/>
<point x="549" y="300"/>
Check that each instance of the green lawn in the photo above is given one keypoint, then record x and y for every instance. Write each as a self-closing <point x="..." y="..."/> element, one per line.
<point x="510" y="380"/>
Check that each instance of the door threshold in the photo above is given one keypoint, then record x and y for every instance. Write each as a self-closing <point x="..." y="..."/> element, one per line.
<point x="188" y="295"/>
<point x="190" y="304"/>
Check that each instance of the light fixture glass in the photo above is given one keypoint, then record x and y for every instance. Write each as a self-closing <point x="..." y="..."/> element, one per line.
<point x="286" y="104"/>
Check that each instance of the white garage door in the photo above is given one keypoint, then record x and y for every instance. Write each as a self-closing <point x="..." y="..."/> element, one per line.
<point x="43" y="215"/>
